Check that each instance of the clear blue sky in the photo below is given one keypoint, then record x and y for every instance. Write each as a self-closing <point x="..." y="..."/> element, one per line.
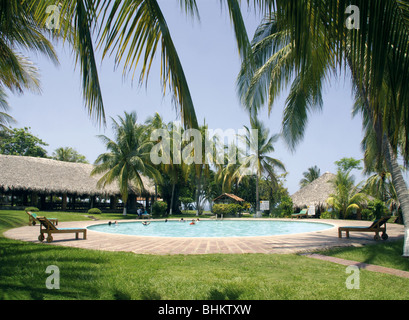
<point x="209" y="56"/>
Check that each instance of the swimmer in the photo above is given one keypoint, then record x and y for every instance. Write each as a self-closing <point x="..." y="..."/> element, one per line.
<point x="146" y="223"/>
<point x="193" y="222"/>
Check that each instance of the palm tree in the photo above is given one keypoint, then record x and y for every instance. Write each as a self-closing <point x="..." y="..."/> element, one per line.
<point x="226" y="173"/>
<point x="133" y="31"/>
<point x="259" y="161"/>
<point x="68" y="154"/>
<point x="347" y="198"/>
<point x="310" y="175"/>
<point x="169" y="167"/>
<point x="314" y="48"/>
<point x="128" y="157"/>
<point x="19" y="31"/>
<point x="201" y="161"/>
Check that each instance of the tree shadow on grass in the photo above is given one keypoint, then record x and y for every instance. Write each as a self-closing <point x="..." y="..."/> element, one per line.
<point x="23" y="271"/>
<point x="224" y="294"/>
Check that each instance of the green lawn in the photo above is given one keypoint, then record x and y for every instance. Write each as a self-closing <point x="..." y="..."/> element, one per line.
<point x="86" y="274"/>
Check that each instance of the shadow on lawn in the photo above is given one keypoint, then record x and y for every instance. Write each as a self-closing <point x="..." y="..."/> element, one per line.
<point x="225" y="294"/>
<point x="23" y="273"/>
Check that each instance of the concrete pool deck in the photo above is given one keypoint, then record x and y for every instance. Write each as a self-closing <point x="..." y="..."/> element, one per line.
<point x="282" y="244"/>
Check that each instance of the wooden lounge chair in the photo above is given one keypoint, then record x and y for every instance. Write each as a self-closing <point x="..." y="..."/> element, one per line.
<point x="49" y="228"/>
<point x="377" y="226"/>
<point x="302" y="213"/>
<point x="32" y="219"/>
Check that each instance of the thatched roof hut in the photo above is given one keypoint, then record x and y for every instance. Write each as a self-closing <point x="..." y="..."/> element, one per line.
<point x="228" y="198"/>
<point x="46" y="176"/>
<point x="316" y="193"/>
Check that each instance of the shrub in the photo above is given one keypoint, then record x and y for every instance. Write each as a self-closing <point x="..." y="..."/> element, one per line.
<point x="367" y="214"/>
<point x="286" y="206"/>
<point x="159" y="208"/>
<point x="329" y="215"/>
<point x="94" y="211"/>
<point x="378" y="208"/>
<point x="246" y="206"/>
<point x="32" y="209"/>
<point x="227" y="208"/>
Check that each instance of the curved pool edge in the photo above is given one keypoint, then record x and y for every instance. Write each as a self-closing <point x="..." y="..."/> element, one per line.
<point x="317" y="221"/>
<point x="279" y="244"/>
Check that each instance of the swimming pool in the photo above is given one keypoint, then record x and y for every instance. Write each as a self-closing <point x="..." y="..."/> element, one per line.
<point x="211" y="229"/>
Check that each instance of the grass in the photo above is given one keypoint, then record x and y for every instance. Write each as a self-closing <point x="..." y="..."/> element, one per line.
<point x="93" y="275"/>
<point x="388" y="254"/>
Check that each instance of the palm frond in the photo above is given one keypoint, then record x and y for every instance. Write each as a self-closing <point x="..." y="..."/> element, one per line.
<point x="135" y="30"/>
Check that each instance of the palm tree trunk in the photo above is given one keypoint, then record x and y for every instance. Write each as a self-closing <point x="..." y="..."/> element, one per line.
<point x="401" y="190"/>
<point x="198" y="190"/>
<point x="171" y="199"/>
<point x="391" y="161"/>
<point x="257" y="197"/>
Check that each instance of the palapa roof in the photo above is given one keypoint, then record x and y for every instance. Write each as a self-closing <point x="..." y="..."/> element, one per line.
<point x="52" y="176"/>
<point x="316" y="193"/>
<point x="229" y="195"/>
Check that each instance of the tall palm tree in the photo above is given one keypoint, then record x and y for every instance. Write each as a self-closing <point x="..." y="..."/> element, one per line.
<point x="170" y="167"/>
<point x="259" y="161"/>
<point x="313" y="46"/>
<point x="128" y="157"/>
<point x="201" y="160"/>
<point x="310" y="175"/>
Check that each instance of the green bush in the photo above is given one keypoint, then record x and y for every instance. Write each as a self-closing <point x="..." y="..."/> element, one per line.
<point x="286" y="206"/>
<point x="329" y="215"/>
<point x="378" y="208"/>
<point x="367" y="214"/>
<point x="32" y="209"/>
<point x="159" y="208"/>
<point x="227" y="208"/>
<point x="94" y="211"/>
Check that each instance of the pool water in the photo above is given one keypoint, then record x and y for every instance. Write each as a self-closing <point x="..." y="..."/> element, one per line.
<point x="204" y="229"/>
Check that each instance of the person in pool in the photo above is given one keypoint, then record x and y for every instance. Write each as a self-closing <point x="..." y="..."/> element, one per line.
<point x="146" y="223"/>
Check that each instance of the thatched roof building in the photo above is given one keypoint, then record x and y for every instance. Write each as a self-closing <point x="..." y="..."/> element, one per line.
<point x="228" y="198"/>
<point x="55" y="177"/>
<point x="316" y="193"/>
<point x="57" y="185"/>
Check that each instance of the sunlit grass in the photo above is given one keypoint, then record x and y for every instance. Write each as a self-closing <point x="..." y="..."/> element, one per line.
<point x="90" y="274"/>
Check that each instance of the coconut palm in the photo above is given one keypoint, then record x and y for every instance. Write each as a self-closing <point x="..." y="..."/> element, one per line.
<point x="128" y="157"/>
<point x="169" y="165"/>
<point x="347" y="198"/>
<point x="133" y="31"/>
<point x="313" y="47"/>
<point x="310" y="175"/>
<point x="68" y="154"/>
<point x="259" y="162"/>
<point x="226" y="173"/>
<point x="20" y="34"/>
